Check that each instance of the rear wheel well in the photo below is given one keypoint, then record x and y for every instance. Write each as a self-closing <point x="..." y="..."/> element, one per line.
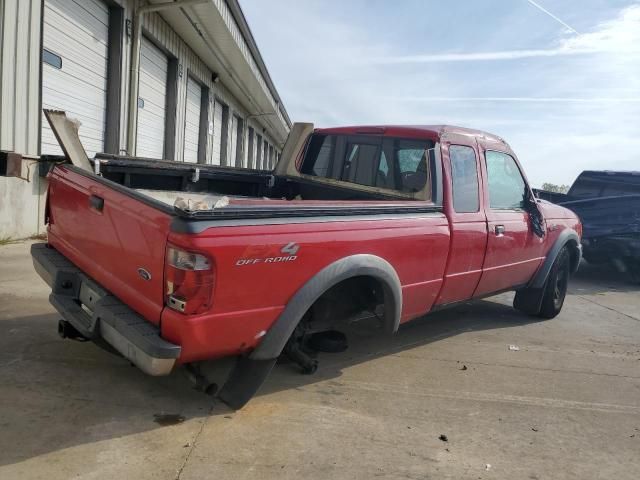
<point x="351" y="299"/>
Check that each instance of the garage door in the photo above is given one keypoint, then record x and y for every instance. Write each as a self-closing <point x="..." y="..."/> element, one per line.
<point x="74" y="70"/>
<point x="152" y="98"/>
<point x="217" y="133"/>
<point x="192" y="121"/>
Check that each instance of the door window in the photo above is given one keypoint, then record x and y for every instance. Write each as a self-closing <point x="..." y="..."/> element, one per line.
<point x="464" y="176"/>
<point x="507" y="188"/>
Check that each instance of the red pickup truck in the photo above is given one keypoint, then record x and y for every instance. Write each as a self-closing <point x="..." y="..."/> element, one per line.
<point x="171" y="263"/>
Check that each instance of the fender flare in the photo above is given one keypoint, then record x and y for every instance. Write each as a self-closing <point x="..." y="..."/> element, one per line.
<point x="566" y="236"/>
<point x="354" y="266"/>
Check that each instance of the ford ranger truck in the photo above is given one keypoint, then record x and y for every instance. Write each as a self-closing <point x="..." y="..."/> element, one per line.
<point x="179" y="264"/>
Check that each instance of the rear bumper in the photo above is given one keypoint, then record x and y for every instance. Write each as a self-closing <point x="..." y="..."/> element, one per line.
<point x="96" y="313"/>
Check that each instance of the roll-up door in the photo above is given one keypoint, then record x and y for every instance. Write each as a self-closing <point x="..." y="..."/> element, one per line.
<point x="152" y="99"/>
<point x="74" y="70"/>
<point x="192" y="121"/>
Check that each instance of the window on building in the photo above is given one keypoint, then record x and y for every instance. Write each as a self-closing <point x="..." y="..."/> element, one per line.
<point x="464" y="176"/>
<point x="506" y="185"/>
<point x="52" y="59"/>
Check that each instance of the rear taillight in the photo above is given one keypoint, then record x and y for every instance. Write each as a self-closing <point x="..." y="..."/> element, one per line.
<point x="189" y="278"/>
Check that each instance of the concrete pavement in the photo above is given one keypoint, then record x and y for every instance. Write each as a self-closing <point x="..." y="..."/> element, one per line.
<point x="565" y="405"/>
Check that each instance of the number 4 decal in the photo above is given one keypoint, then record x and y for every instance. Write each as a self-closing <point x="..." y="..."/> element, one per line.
<point x="290" y="248"/>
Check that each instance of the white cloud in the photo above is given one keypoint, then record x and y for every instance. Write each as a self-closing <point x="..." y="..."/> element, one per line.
<point x="574" y="108"/>
<point x="618" y="36"/>
<point x="520" y="99"/>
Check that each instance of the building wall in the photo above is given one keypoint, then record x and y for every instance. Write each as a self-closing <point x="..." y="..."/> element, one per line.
<point x="162" y="34"/>
<point x="21" y="202"/>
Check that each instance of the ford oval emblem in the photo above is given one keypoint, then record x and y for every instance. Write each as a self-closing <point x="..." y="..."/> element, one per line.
<point x="144" y="274"/>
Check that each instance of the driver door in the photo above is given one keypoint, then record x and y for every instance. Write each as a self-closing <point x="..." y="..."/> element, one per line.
<point x="514" y="252"/>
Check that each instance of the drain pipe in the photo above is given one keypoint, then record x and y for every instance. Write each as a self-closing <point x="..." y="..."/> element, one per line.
<point x="132" y="127"/>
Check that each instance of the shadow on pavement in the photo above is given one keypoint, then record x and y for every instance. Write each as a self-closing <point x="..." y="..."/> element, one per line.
<point x="58" y="394"/>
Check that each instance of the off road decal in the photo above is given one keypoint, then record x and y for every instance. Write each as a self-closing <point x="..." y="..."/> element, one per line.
<point x="268" y="254"/>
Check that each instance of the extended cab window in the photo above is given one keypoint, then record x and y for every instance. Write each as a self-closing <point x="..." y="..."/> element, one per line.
<point x="383" y="162"/>
<point x="506" y="185"/>
<point x="464" y="176"/>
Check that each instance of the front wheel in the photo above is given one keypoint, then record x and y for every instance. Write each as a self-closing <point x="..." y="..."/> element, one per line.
<point x="555" y="289"/>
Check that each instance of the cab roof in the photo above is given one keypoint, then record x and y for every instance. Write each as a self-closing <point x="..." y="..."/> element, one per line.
<point x="428" y="132"/>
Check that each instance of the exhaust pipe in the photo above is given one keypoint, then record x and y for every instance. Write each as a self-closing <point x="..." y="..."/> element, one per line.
<point x="66" y="330"/>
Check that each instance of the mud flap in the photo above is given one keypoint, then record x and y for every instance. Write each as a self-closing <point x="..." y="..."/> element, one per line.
<point x="529" y="300"/>
<point x="244" y="381"/>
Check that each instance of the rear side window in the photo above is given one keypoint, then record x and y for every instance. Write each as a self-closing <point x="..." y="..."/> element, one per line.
<point x="383" y="162"/>
<point x="506" y="185"/>
<point x="464" y="176"/>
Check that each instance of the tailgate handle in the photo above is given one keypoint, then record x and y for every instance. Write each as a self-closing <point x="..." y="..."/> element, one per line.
<point x="96" y="202"/>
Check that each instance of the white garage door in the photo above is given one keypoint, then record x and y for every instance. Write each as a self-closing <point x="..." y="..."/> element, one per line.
<point x="74" y="70"/>
<point x="192" y="121"/>
<point x="152" y="99"/>
<point x="217" y="133"/>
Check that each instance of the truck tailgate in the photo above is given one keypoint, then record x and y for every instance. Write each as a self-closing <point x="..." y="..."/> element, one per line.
<point x="114" y="238"/>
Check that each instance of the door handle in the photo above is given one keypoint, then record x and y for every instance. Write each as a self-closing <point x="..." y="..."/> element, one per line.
<point x="96" y="202"/>
<point x="499" y="230"/>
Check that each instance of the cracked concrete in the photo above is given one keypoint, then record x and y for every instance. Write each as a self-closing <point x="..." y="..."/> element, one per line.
<point x="566" y="405"/>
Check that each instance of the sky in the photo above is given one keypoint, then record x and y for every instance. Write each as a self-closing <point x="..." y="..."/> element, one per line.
<point x="559" y="80"/>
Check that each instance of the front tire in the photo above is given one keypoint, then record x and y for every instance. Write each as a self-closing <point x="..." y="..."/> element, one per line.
<point x="555" y="289"/>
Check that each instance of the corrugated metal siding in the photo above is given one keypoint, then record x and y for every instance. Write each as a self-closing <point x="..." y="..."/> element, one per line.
<point x="20" y="202"/>
<point x="227" y="16"/>
<point x="20" y="75"/>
